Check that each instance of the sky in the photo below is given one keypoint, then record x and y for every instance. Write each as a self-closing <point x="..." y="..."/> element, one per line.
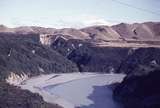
<point x="77" y="13"/>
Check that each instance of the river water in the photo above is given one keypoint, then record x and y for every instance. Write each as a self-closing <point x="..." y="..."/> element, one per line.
<point x="92" y="92"/>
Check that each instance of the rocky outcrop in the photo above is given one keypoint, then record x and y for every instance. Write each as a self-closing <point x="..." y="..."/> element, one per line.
<point x="140" y="89"/>
<point x="14" y="97"/>
<point x="95" y="59"/>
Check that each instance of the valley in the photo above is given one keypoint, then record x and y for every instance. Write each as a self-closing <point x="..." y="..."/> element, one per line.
<point x="91" y="67"/>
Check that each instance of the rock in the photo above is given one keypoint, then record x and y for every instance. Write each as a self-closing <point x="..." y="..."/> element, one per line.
<point x="140" y="90"/>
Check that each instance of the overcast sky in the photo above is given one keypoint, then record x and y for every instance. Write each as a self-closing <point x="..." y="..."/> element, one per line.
<point x="76" y="13"/>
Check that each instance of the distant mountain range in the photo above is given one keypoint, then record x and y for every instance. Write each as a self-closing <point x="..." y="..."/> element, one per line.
<point x="148" y="31"/>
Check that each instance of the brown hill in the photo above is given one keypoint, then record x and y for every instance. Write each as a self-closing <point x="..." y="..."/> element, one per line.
<point x="137" y="31"/>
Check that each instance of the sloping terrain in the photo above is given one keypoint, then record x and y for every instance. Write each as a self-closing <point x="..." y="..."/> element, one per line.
<point x="27" y="30"/>
<point x="145" y="31"/>
<point x="104" y="33"/>
<point x="106" y="46"/>
<point x="148" y="31"/>
<point x="138" y="58"/>
<point x="14" y="97"/>
<point x="24" y="54"/>
<point x="140" y="89"/>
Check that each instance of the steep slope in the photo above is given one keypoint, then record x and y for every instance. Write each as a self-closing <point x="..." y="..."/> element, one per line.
<point x="73" y="33"/>
<point x="4" y="28"/>
<point x="105" y="59"/>
<point x="155" y="28"/>
<point x="24" y="54"/>
<point x="140" y="90"/>
<point x="139" y="57"/>
<point x="95" y="59"/>
<point x="14" y="97"/>
<point x="33" y="29"/>
<point x="124" y="30"/>
<point x="104" y="33"/>
<point x="144" y="31"/>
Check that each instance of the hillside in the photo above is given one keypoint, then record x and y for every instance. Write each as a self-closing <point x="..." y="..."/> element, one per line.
<point x="138" y="31"/>
<point x="14" y="97"/>
<point x="140" y="89"/>
<point x="24" y="54"/>
<point x="114" y="45"/>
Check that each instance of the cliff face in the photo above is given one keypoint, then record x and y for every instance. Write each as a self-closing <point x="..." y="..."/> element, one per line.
<point x="89" y="57"/>
<point x="94" y="59"/>
<point x="140" y="90"/>
<point x="115" y="60"/>
<point x="137" y="58"/>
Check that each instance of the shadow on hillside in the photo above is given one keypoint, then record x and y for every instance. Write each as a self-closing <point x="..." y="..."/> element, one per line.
<point x="102" y="98"/>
